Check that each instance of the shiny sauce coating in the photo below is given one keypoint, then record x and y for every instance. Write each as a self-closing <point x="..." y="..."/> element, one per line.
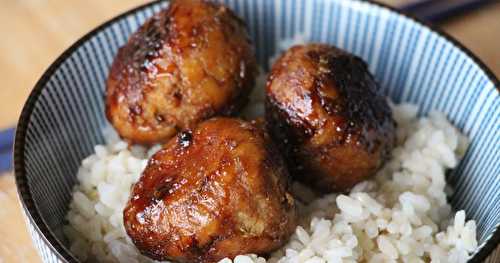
<point x="186" y="64"/>
<point x="217" y="191"/>
<point x="324" y="109"/>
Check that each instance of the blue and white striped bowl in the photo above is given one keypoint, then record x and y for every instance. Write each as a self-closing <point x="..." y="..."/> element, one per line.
<point x="64" y="115"/>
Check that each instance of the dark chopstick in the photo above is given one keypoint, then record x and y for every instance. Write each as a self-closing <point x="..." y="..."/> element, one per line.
<point x="6" y="139"/>
<point x="6" y="144"/>
<point x="5" y="161"/>
<point x="434" y="10"/>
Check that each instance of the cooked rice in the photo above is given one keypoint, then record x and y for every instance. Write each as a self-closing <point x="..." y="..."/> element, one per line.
<point x="402" y="215"/>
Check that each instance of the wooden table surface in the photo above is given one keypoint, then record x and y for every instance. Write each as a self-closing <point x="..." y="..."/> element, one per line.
<point x="35" y="32"/>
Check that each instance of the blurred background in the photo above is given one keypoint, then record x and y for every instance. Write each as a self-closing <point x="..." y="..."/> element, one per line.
<point x="35" y="32"/>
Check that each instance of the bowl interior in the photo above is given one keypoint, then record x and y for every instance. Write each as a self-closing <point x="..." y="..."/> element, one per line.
<point x="64" y="117"/>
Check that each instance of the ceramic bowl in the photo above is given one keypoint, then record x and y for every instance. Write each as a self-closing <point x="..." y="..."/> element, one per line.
<point x="64" y="116"/>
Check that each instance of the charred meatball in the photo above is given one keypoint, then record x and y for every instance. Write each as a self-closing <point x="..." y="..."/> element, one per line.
<point x="324" y="108"/>
<point x="214" y="192"/>
<point x="185" y="64"/>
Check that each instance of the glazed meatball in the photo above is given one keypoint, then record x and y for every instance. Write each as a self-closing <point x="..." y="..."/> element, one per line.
<point x="324" y="109"/>
<point x="218" y="191"/>
<point x="187" y="63"/>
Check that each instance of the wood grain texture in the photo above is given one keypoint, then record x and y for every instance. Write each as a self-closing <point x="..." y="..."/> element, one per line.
<point x="15" y="243"/>
<point x="479" y="31"/>
<point x="35" y="32"/>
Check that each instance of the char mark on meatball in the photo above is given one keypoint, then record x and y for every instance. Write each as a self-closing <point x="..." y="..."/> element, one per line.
<point x="216" y="191"/>
<point x="186" y="64"/>
<point x="324" y="109"/>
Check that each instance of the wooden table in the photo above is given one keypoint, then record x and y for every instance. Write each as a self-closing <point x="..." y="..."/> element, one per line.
<point x="35" y="32"/>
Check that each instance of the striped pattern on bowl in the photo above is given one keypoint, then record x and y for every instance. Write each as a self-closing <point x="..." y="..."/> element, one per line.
<point x="64" y="116"/>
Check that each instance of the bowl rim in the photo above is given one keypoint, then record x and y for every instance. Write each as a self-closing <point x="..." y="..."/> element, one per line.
<point x="31" y="211"/>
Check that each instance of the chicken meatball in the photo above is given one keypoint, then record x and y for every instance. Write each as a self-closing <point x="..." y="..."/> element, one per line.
<point x="323" y="107"/>
<point x="187" y="63"/>
<point x="217" y="191"/>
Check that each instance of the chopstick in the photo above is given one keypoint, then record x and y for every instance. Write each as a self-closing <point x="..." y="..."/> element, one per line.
<point x="6" y="144"/>
<point x="434" y="10"/>
<point x="5" y="161"/>
<point x="6" y="139"/>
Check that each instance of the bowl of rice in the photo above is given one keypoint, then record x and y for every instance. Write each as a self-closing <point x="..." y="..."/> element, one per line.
<point x="437" y="199"/>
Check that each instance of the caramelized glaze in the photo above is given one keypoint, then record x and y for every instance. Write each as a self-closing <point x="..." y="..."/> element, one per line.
<point x="324" y="109"/>
<point x="187" y="63"/>
<point x="217" y="191"/>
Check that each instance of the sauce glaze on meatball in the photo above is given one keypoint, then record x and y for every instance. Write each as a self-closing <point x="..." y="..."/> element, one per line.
<point x="187" y="63"/>
<point x="324" y="109"/>
<point x="217" y="191"/>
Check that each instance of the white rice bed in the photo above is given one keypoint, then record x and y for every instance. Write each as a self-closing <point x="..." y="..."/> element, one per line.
<point x="401" y="215"/>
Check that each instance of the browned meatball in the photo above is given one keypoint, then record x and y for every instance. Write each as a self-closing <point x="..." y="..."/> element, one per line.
<point x="324" y="109"/>
<point x="185" y="64"/>
<point x="215" y="192"/>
